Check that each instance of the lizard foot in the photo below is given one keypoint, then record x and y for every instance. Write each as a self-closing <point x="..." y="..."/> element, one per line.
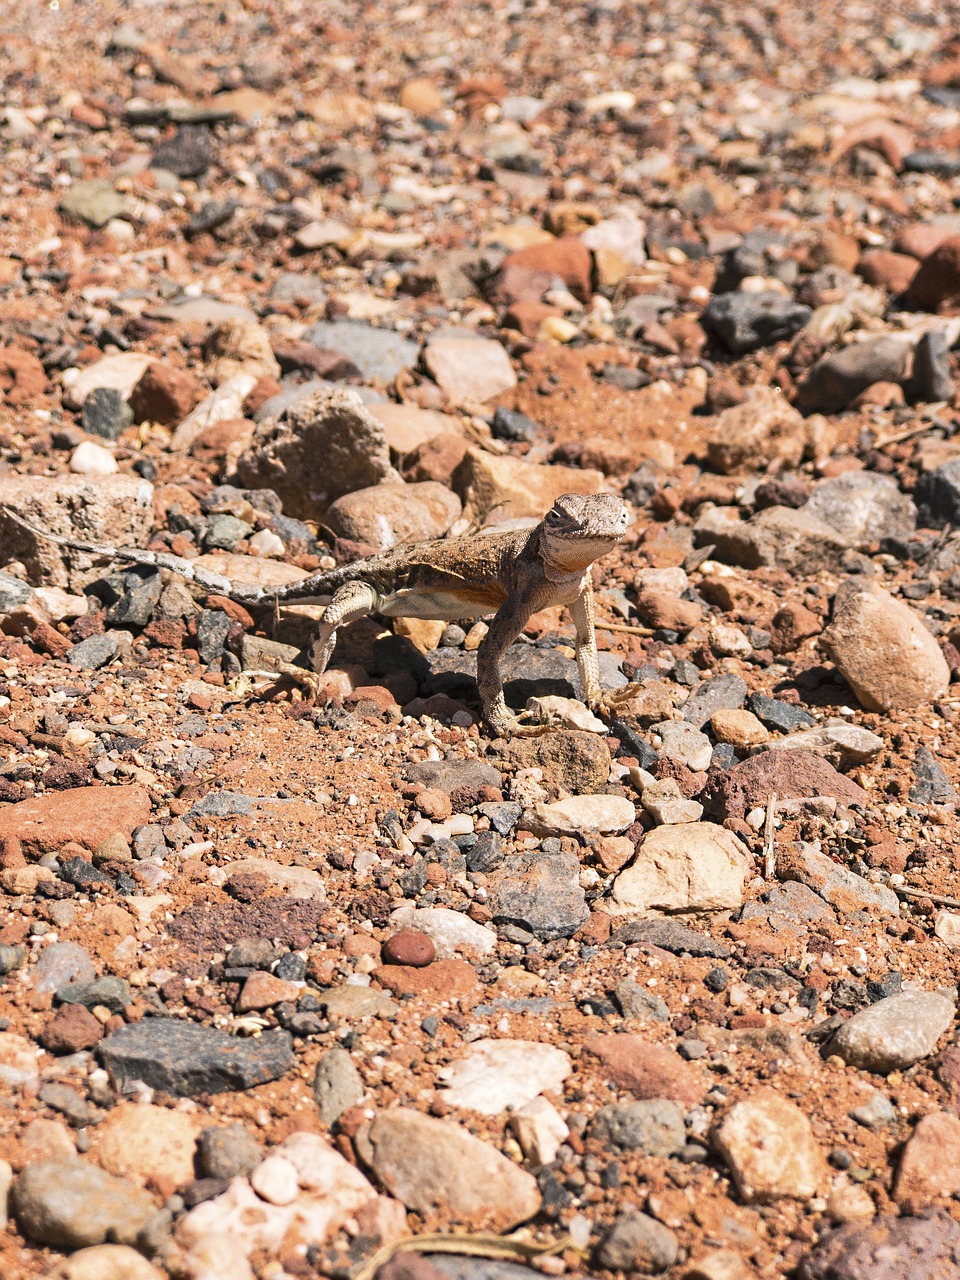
<point x="309" y="681"/>
<point x="517" y="727"/>
<point x="609" y="703"/>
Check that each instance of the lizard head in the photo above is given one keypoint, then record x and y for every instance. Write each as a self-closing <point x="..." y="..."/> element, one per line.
<point x="580" y="529"/>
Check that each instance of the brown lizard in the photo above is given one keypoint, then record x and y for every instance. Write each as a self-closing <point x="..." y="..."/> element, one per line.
<point x="510" y="574"/>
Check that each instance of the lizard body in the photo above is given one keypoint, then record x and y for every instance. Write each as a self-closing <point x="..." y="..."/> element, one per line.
<point x="508" y="574"/>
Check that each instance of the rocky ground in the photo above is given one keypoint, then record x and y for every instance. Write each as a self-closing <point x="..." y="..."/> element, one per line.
<point x="290" y="988"/>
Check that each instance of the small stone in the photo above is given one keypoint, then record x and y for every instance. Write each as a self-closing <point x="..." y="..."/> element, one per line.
<point x="436" y="1166"/>
<point x="503" y="1075"/>
<point x="93" y="201"/>
<point x="931" y="784"/>
<point x="745" y="321"/>
<point x="147" y="1143"/>
<point x="69" y="1204"/>
<point x="844" y="745"/>
<point x="764" y="431"/>
<point x="769" y="1148"/>
<point x="835" y="883"/>
<point x="107" y="992"/>
<point x="105" y="414"/>
<point x="188" y="153"/>
<point x="228" y="1152"/>
<point x="511" y="488"/>
<point x="878" y="1112"/>
<point x="653" y="1126"/>
<point x="275" y="1180"/>
<point x="444" y="979"/>
<point x="237" y="347"/>
<point x="782" y="716"/>
<point x="885" y="653"/>
<point x="719" y="693"/>
<point x="263" y="991"/>
<point x="539" y="1129"/>
<point x="863" y="506"/>
<point x="796" y="540"/>
<point x="337" y="1085"/>
<point x="469" y="369"/>
<point x="694" y="867"/>
<point x="665" y="804"/>
<point x="937" y="281"/>
<point x="646" y="1070"/>
<point x="579" y="814"/>
<point x="89" y="459"/>
<point x="72" y="1029"/>
<point x="540" y="892"/>
<point x="639" y="1244"/>
<point x="379" y="354"/>
<point x="932" y="380"/>
<point x="838" y="378"/>
<point x="739" y="727"/>
<point x="164" y="394"/>
<point x="682" y="742"/>
<point x="894" y="1033"/>
<point x="640" y="1003"/>
<point x="409" y="946"/>
<point x="105" y="1262"/>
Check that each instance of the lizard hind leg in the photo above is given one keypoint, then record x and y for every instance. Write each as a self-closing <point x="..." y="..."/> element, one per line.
<point x="354" y="600"/>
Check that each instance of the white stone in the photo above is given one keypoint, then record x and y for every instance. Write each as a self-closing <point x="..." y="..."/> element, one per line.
<point x="60" y="605"/>
<point x="698" y="866"/>
<point x="540" y="1129"/>
<point x="947" y="928"/>
<point x="220" y="406"/>
<point x="683" y="742"/>
<point x="89" y="459"/>
<point x="18" y="1060"/>
<point x="451" y="932"/>
<point x="119" y="373"/>
<point x="501" y="1075"/>
<point x="275" y="1180"/>
<point x="608" y="815"/>
<point x="216" y="1256"/>
<point x="667" y="806"/>
<point x="266" y="543"/>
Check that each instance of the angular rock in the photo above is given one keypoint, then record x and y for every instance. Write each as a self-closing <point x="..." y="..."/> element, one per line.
<point x="720" y="693"/>
<point x="503" y="1075"/>
<point x="769" y="1148"/>
<point x="931" y="784"/>
<point x="164" y="394"/>
<point x="937" y="281"/>
<point x="844" y="745"/>
<point x="838" y="378"/>
<point x="118" y="373"/>
<point x="937" y="495"/>
<point x="926" y="1247"/>
<point x="540" y="892"/>
<point x="835" y="883"/>
<point x="930" y="1163"/>
<point x="745" y="321"/>
<point x="434" y="1166"/>
<point x="510" y="488"/>
<point x="237" y="347"/>
<point x="224" y="405"/>
<point x="148" y="1143"/>
<point x="884" y="652"/>
<point x="792" y="775"/>
<point x="452" y="932"/>
<point x="469" y="370"/>
<point x="697" y="866"/>
<point x="653" y="1126"/>
<point x="379" y="354"/>
<point x="389" y="513"/>
<point x="863" y="507"/>
<point x="316" y="451"/>
<point x="185" y="1059"/>
<point x="793" y="539"/>
<point x="580" y="814"/>
<point x="69" y="1205"/>
<point x="896" y="1032"/>
<point x="82" y="815"/>
<point x="336" y="1085"/>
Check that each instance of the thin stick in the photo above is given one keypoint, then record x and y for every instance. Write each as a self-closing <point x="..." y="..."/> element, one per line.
<point x="908" y="433"/>
<point x="624" y="629"/>
<point x="937" y="899"/>
<point x="769" y="848"/>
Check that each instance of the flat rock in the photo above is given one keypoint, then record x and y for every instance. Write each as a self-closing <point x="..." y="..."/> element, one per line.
<point x="835" y="883"/>
<point x="791" y="775"/>
<point x="540" y="892"/>
<point x="608" y="815"/>
<point x="796" y="540"/>
<point x="639" y="1245"/>
<point x="884" y="652"/>
<point x="469" y="369"/>
<point x="509" y="488"/>
<point x="451" y="775"/>
<point x="838" y="378"/>
<point x="768" y="1146"/>
<point x="863" y="506"/>
<point x="105" y="1262"/>
<point x="434" y="1166"/>
<point x="406" y="427"/>
<point x="896" y="1032"/>
<point x="646" y="1070"/>
<point x="379" y="354"/>
<point x="844" y="745"/>
<point x="119" y="373"/>
<point x="442" y="980"/>
<point x="503" y="1075"/>
<point x="148" y="1143"/>
<point x="652" y="1126"/>
<point x="69" y="1205"/>
<point x="225" y="404"/>
<point x="452" y="932"/>
<point x="185" y="1059"/>
<point x="316" y="451"/>
<point x="83" y="815"/>
<point x="389" y="513"/>
<point x="931" y="784"/>
<point x="925" y="1247"/>
<point x="295" y="882"/>
<point x="697" y="866"/>
<point x="351" y="1004"/>
<point x="765" y="431"/>
<point x="337" y="1085"/>
<point x="94" y="201"/>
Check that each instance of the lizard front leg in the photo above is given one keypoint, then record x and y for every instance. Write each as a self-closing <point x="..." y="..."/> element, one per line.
<point x="588" y="662"/>
<point x="354" y="600"/>
<point x="504" y="629"/>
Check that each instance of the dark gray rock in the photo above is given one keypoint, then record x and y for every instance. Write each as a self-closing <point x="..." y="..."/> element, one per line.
<point x="213" y="627"/>
<point x="540" y="892"/>
<point x="743" y="322"/>
<point x="931" y="785"/>
<point x="210" y="215"/>
<point x="135" y="607"/>
<point x="719" y="693"/>
<point x="503" y="816"/>
<point x="13" y="592"/>
<point x="838" y="378"/>
<point x="224" y="532"/>
<point x="185" y="1059"/>
<point x="653" y="1126"/>
<point x="112" y="993"/>
<point x="379" y="354"/>
<point x="67" y="1102"/>
<point x="672" y="936"/>
<point x="336" y="1085"/>
<point x="783" y="716"/>
<point x="931" y="381"/>
<point x="487" y="854"/>
<point x="937" y="495"/>
<point x="105" y="413"/>
<point x="925" y="1247"/>
<point x="638" y="1002"/>
<point x="945" y="164"/>
<point x="188" y="153"/>
<point x="638" y="1243"/>
<point x="71" y="1205"/>
<point x="221" y="804"/>
<point x="509" y="424"/>
<point x="230" y="1152"/>
<point x="96" y="651"/>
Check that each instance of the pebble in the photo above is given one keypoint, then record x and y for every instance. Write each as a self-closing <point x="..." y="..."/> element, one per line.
<point x="646" y="1070"/>
<point x="739" y="727"/>
<point x="379" y="354"/>
<point x="639" y="1244"/>
<point x="105" y="414"/>
<point x="638" y="1002"/>
<point x="72" y="1029"/>
<point x="224" y="405"/>
<point x="769" y="1148"/>
<point x="275" y="1180"/>
<point x="652" y="1126"/>
<point x="726" y="692"/>
<point x="835" y="883"/>
<point x="938" y="278"/>
<point x="105" y="1262"/>
<point x="884" y="652"/>
<point x="60" y="963"/>
<point x="409" y="946"/>
<point x="434" y="1165"/>
<point x="762" y="431"/>
<point x="227" y="1152"/>
<point x="185" y="1059"/>
<point x="606" y="815"/>
<point x="697" y="866"/>
<point x="451" y="932"/>
<point x="665" y="804"/>
<point x="263" y="991"/>
<point x="337" y="1085"/>
<point x="894" y="1033"/>
<point x="876" y="1113"/>
<point x="89" y="459"/>
<point x="93" y="201"/>
<point x="503" y="1075"/>
<point x="149" y="1144"/>
<point x="68" y="1204"/>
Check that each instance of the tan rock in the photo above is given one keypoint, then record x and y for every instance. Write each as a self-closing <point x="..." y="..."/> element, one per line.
<point x="119" y="372"/>
<point x="421" y="96"/>
<point x="149" y="1144"/>
<point x="105" y="1262"/>
<point x="509" y="488"/>
<point x="389" y="513"/>
<point x="930" y="1164"/>
<point x="739" y="727"/>
<point x="406" y="428"/>
<point x="697" y="866"/>
<point x="469" y="369"/>
<point x="765" y="432"/>
<point x="769" y="1148"/>
<point x="239" y="346"/>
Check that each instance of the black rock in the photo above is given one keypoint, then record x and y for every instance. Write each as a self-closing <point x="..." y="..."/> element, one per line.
<point x="937" y="495"/>
<point x="775" y="714"/>
<point x="213" y="627"/>
<point x="188" y="153"/>
<point x="292" y="968"/>
<point x="743" y="322"/>
<point x="633" y="742"/>
<point x="716" y="980"/>
<point x="212" y="214"/>
<point x="105" y="413"/>
<point x="185" y="1059"/>
<point x="78" y="871"/>
<point x="135" y="607"/>
<point x="503" y="815"/>
<point x="112" y="993"/>
<point x="931" y="785"/>
<point x="891" y="984"/>
<point x="945" y="164"/>
<point x="509" y="424"/>
<point x="487" y="854"/>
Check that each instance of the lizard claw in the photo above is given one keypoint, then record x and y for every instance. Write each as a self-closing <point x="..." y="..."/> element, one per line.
<point x="609" y="703"/>
<point x="515" y="727"/>
<point x="309" y="681"/>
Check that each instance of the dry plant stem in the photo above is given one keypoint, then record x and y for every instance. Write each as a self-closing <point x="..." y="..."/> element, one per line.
<point x="769" y="848"/>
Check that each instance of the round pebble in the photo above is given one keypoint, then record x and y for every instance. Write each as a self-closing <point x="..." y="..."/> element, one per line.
<point x="411" y="947"/>
<point x="275" y="1180"/>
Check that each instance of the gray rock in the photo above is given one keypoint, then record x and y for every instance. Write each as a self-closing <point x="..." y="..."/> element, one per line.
<point x="932" y="381"/>
<point x="672" y="936"/>
<point x="13" y="592"/>
<point x="775" y="714"/>
<point x="653" y="1126"/>
<point x="228" y="1152"/>
<point x="12" y="958"/>
<point x="135" y="607"/>
<point x="745" y="321"/>
<point x="112" y="993"/>
<point x="791" y="902"/>
<point x="336" y="1085"/>
<point x="793" y="539"/>
<point x="720" y="693"/>
<point x="931" y="784"/>
<point x="292" y="394"/>
<point x="451" y="775"/>
<point x="93" y="201"/>
<point x="844" y="745"/>
<point x="876" y="1113"/>
<point x="638" y="1243"/>
<point x="640" y="1003"/>
<point x="97" y="650"/>
<point x="105" y="413"/>
<point x="189" y="153"/>
<point x="503" y="818"/>
<point x="836" y="884"/>
<point x="682" y="742"/>
<point x="224" y="532"/>
<point x="71" y="1205"/>
<point x="894" y="1033"/>
<point x="379" y="354"/>
<point x="838" y="378"/>
<point x="60" y="963"/>
<point x="541" y="892"/>
<point x="924" y="1247"/>
<point x="291" y="285"/>
<point x="937" y="494"/>
<point x="221" y="804"/>
<point x="185" y="1059"/>
<point x="862" y="506"/>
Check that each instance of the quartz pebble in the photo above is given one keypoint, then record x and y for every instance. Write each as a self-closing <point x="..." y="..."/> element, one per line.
<point x="896" y="1032"/>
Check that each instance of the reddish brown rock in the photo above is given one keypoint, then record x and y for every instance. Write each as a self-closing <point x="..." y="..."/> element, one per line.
<point x="791" y="625"/>
<point x="72" y="1029"/>
<point x="647" y="1070"/>
<point x="886" y="270"/>
<point x="85" y="815"/>
<point x="410" y="947"/>
<point x="930" y="1164"/>
<point x="165" y="394"/>
<point x="527" y="317"/>
<point x="442" y="980"/>
<point x="937" y="283"/>
<point x="527" y="273"/>
<point x="437" y="459"/>
<point x="791" y="774"/>
<point x="919" y="239"/>
<point x="922" y="1248"/>
<point x="22" y="376"/>
<point x="262" y="990"/>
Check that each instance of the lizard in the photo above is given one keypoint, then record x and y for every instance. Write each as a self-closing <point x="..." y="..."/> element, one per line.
<point x="510" y="574"/>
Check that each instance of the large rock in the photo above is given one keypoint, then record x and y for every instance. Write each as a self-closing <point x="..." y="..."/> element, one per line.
<point x="69" y="1205"/>
<point x="937" y="281"/>
<point x="838" y="378"/>
<point x="696" y="866"/>
<point x="143" y="1142"/>
<point x="83" y="815"/>
<point x="390" y="513"/>
<point x="792" y="775"/>
<point x="769" y="1148"/>
<point x="896" y="1032"/>
<point x="105" y="1262"/>
<point x="885" y="653"/>
<point x="863" y="506"/>
<point x="795" y="540"/>
<point x="835" y="883"/>
<point x="114" y="509"/>
<point x="930" y="1163"/>
<point x="540" y="892"/>
<point x="764" y="432"/>
<point x="316" y="451"/>
<point x="743" y="322"/>
<point x="926" y="1247"/>
<point x="509" y="488"/>
<point x="435" y="1167"/>
<point x="379" y="354"/>
<point x="185" y="1059"/>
